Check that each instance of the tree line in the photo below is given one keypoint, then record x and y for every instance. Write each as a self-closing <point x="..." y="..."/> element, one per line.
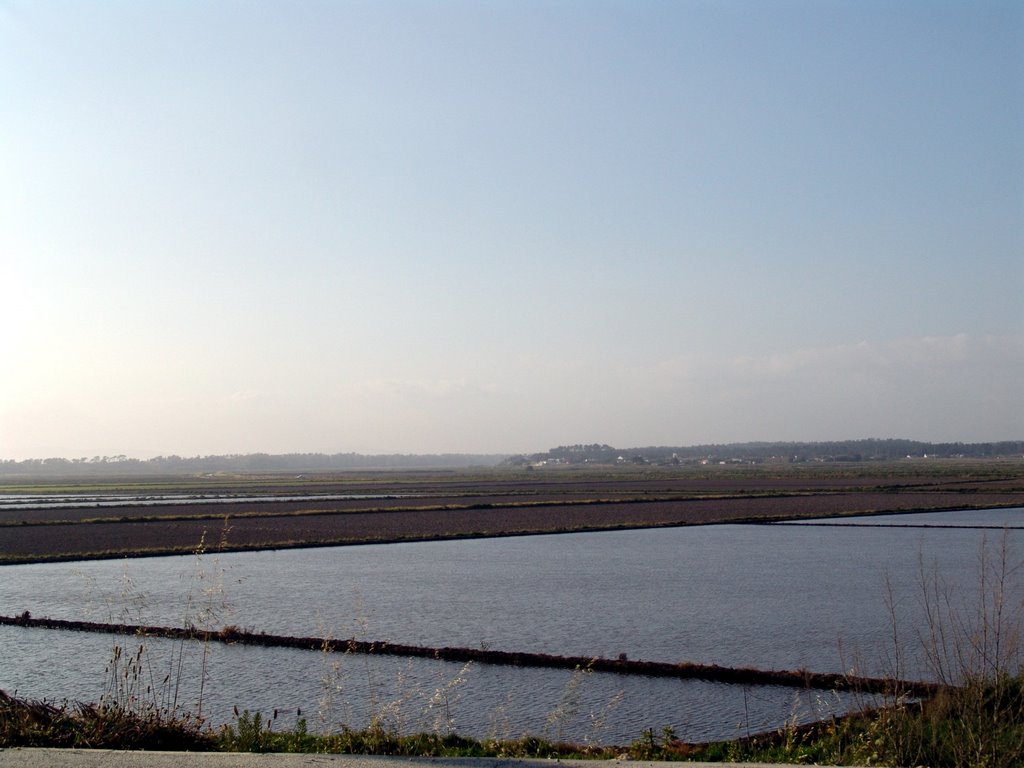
<point x="250" y="462"/>
<point x="870" y="449"/>
<point x="579" y="454"/>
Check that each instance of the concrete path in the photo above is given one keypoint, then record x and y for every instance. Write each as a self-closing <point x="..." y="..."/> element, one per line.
<point x="102" y="758"/>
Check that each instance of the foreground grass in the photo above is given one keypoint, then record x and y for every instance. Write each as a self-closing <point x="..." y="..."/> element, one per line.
<point x="978" y="724"/>
<point x="90" y="726"/>
<point x="81" y="726"/>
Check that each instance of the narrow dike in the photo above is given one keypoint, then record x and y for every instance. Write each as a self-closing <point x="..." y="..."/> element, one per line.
<point x="621" y="665"/>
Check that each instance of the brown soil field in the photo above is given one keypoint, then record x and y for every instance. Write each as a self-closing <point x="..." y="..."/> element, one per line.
<point x="425" y="505"/>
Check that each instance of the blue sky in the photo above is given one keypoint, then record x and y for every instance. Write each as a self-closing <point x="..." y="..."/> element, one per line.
<point x="501" y="226"/>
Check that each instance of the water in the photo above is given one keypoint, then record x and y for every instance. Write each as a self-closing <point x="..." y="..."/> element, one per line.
<point x="739" y="595"/>
<point x="412" y="695"/>
<point x="975" y="518"/>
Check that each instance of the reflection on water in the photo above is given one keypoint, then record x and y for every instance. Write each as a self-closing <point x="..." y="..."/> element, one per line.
<point x="764" y="596"/>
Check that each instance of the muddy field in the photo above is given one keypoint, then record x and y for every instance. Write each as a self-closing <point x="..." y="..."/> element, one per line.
<point x="430" y="505"/>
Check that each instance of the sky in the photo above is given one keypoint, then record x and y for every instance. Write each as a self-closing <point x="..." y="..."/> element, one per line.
<point x="498" y="227"/>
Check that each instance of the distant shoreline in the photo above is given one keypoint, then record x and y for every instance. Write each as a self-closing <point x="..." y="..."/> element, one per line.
<point x="859" y="451"/>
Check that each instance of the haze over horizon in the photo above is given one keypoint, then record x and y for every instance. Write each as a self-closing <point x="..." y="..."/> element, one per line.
<point x="462" y="227"/>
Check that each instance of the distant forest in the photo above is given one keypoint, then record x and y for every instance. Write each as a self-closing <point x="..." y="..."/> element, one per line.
<point x="747" y="453"/>
<point x="739" y="453"/>
<point x="243" y="463"/>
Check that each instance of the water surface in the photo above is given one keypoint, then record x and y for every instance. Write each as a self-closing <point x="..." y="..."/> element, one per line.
<point x="782" y="597"/>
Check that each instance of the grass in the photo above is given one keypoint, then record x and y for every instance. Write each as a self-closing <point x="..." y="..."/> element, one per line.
<point x="939" y="733"/>
<point x="91" y="726"/>
<point x="252" y="733"/>
<point x="41" y="724"/>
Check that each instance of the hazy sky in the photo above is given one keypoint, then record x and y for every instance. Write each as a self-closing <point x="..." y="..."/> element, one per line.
<point x="233" y="227"/>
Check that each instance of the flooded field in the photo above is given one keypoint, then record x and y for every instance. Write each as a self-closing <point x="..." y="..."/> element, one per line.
<point x="773" y="597"/>
<point x="173" y="516"/>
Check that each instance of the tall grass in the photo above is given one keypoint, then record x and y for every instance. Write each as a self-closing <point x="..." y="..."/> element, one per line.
<point x="140" y="706"/>
<point x="149" y="687"/>
<point x="971" y="643"/>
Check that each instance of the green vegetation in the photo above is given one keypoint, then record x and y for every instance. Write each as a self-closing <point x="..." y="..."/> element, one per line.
<point x="979" y="724"/>
<point x="252" y="733"/>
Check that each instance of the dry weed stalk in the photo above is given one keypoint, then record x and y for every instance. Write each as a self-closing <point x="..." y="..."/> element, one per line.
<point x="441" y="702"/>
<point x="132" y="683"/>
